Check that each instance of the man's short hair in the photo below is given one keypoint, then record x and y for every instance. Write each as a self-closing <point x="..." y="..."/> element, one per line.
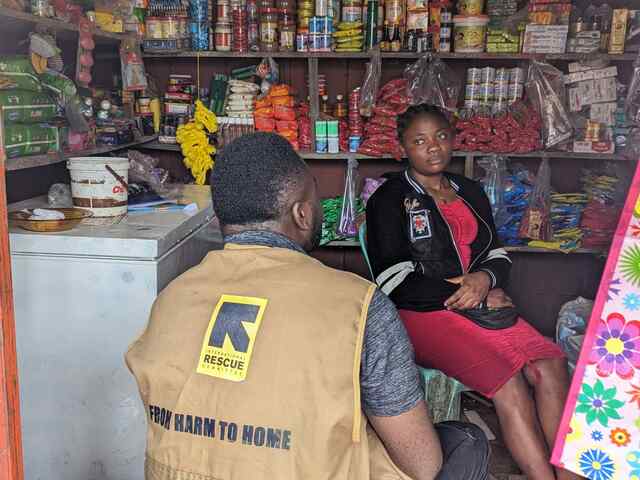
<point x="252" y="176"/>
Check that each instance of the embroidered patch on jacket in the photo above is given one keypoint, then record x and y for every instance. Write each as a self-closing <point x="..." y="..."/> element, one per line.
<point x="229" y="339"/>
<point x="419" y="224"/>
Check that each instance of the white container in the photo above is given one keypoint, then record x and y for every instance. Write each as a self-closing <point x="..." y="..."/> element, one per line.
<point x="469" y="33"/>
<point x="94" y="188"/>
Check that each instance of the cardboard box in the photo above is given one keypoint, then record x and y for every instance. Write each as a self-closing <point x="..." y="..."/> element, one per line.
<point x="603" y="113"/>
<point x="593" y="147"/>
<point x="591" y="75"/>
<point x="545" y="39"/>
<point x="605" y="90"/>
<point x="618" y="31"/>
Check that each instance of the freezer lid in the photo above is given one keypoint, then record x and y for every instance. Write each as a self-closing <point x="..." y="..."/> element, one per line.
<point x="138" y="235"/>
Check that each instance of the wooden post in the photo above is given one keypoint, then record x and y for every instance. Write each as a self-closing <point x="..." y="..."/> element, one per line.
<point x="11" y="467"/>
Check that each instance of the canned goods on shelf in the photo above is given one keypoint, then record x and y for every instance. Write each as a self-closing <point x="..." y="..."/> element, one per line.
<point x="502" y="75"/>
<point x="471" y="104"/>
<point x="487" y="75"/>
<point x="322" y="8"/>
<point x="486" y="92"/>
<point x="474" y="75"/>
<point x="302" y="41"/>
<point x="154" y="28"/>
<point x="516" y="75"/>
<point x="352" y="13"/>
<point x="321" y="25"/>
<point x="319" y="42"/>
<point x="472" y="92"/>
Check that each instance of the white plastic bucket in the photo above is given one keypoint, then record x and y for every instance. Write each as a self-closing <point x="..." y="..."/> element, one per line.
<point x="469" y="33"/>
<point x="94" y="188"/>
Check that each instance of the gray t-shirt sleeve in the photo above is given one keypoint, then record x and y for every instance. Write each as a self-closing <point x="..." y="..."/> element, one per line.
<point x="389" y="378"/>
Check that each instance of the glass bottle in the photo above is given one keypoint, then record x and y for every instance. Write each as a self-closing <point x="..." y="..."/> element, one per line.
<point x="340" y="108"/>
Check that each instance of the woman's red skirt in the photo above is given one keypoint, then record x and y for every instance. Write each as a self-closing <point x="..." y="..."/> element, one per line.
<point x="483" y="360"/>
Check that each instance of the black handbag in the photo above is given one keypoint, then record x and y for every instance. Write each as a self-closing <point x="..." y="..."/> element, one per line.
<point x="491" y="318"/>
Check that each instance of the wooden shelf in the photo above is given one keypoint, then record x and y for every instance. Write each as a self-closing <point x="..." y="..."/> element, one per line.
<point x="57" y="25"/>
<point x="627" y="57"/>
<point x="358" y="156"/>
<point x="31" y="161"/>
<point x="524" y="249"/>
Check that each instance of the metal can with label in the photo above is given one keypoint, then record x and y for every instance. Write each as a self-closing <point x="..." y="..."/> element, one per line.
<point x="354" y="143"/>
<point x="474" y="75"/>
<point x="302" y="41"/>
<point x="487" y="75"/>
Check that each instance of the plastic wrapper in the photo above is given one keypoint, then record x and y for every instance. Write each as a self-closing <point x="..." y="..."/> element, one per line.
<point x="369" y="89"/>
<point x="370" y="186"/>
<point x="269" y="72"/>
<point x="632" y="102"/>
<point x="571" y="327"/>
<point x="59" y="196"/>
<point x="536" y="222"/>
<point x="17" y="72"/>
<point x="144" y="168"/>
<point x="493" y="183"/>
<point x="347" y="223"/>
<point x="431" y="81"/>
<point x="133" y="73"/>
<point x="546" y="90"/>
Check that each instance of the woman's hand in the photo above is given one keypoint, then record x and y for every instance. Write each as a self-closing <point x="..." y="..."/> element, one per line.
<point x="474" y="288"/>
<point x="497" y="298"/>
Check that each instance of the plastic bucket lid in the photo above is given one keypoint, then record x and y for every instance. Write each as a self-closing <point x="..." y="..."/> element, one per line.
<point x="97" y="163"/>
<point x="474" y="21"/>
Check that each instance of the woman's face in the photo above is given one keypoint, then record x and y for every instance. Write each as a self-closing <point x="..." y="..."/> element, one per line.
<point x="428" y="142"/>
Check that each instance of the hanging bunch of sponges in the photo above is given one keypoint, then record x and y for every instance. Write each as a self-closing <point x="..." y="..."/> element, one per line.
<point x="193" y="137"/>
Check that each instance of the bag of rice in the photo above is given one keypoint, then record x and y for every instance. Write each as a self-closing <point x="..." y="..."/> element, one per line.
<point x="21" y="73"/>
<point x="26" y="107"/>
<point x="21" y="140"/>
<point x="58" y="85"/>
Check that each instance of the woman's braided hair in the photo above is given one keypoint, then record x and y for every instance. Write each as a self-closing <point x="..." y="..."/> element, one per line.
<point x="415" y="111"/>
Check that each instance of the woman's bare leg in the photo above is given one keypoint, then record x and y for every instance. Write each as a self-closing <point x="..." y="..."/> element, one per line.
<point x="550" y="381"/>
<point x="521" y="430"/>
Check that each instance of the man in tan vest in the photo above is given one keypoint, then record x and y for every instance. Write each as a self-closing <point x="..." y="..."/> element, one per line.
<point x="263" y="364"/>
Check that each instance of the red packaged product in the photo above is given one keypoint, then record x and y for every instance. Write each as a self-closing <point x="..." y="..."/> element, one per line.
<point x="264" y="124"/>
<point x="284" y="113"/>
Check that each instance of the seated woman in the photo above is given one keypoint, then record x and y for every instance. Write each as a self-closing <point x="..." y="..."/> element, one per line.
<point x="434" y="250"/>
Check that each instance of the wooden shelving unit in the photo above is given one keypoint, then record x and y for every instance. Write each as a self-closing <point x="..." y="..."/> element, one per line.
<point x="154" y="145"/>
<point x="8" y="15"/>
<point x="627" y="57"/>
<point x="31" y="161"/>
<point x="353" y="243"/>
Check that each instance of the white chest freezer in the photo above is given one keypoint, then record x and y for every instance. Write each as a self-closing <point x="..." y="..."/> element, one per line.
<point x="81" y="297"/>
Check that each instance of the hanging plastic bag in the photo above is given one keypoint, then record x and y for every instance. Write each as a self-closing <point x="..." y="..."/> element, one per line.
<point x="430" y="80"/>
<point x="370" y="85"/>
<point x="632" y="103"/>
<point x="494" y="186"/>
<point x="133" y="73"/>
<point x="546" y="91"/>
<point x="536" y="222"/>
<point x="269" y="73"/>
<point x="347" y="224"/>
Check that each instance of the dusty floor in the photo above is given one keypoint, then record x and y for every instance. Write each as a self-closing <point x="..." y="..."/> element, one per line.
<point x="501" y="465"/>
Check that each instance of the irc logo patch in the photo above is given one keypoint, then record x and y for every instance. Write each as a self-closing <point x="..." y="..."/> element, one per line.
<point x="228" y="342"/>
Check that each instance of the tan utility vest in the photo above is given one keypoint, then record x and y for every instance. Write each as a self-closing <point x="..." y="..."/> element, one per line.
<point x="249" y="370"/>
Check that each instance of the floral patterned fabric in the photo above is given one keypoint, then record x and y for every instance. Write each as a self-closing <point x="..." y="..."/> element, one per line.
<point x="599" y="437"/>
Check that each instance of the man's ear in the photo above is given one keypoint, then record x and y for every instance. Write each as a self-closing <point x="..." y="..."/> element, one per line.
<point x="302" y="215"/>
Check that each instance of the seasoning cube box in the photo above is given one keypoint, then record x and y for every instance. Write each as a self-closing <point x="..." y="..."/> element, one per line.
<point x="618" y="30"/>
<point x="545" y="38"/>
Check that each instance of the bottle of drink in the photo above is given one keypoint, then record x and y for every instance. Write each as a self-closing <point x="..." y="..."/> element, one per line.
<point x="340" y="108"/>
<point x="385" y="42"/>
<point x="324" y="105"/>
<point x="396" y="42"/>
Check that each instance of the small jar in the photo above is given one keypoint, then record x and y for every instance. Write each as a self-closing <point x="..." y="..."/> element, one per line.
<point x="223" y="11"/>
<point x="223" y="37"/>
<point x="269" y="30"/>
<point x="287" y="37"/>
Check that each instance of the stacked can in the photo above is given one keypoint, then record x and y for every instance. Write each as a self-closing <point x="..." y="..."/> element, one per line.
<point x="446" y="29"/>
<point x="306" y="10"/>
<point x="224" y="28"/>
<point x="320" y="29"/>
<point x="516" y="84"/>
<point x="240" y="42"/>
<point x="356" y="127"/>
<point x="472" y="89"/>
<point x="287" y="25"/>
<point x="253" y="26"/>
<point x="333" y="137"/>
<point x="199" y="24"/>
<point x="501" y="90"/>
<point x="269" y="29"/>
